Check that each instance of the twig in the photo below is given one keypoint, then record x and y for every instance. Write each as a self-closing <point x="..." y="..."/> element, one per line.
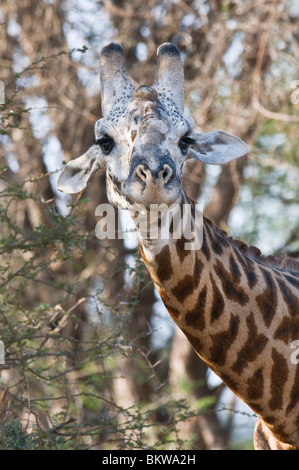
<point x="257" y="73"/>
<point x="117" y="11"/>
<point x="60" y="426"/>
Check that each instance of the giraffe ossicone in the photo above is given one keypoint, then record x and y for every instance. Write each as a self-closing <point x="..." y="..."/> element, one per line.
<point x="238" y="309"/>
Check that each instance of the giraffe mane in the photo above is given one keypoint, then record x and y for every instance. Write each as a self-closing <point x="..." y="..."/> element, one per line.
<point x="286" y="263"/>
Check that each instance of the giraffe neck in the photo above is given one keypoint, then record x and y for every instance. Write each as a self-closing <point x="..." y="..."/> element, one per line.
<point x="240" y="315"/>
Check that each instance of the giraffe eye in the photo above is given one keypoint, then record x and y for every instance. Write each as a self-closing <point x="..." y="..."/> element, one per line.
<point x="185" y="143"/>
<point x="106" y="144"/>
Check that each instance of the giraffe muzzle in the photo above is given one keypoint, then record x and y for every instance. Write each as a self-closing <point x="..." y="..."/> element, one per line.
<point x="152" y="181"/>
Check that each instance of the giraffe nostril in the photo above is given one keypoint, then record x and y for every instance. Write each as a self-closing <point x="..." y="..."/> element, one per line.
<point x="163" y="173"/>
<point x="141" y="172"/>
<point x="166" y="173"/>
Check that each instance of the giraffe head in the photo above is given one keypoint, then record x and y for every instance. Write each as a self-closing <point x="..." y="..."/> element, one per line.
<point x="144" y="138"/>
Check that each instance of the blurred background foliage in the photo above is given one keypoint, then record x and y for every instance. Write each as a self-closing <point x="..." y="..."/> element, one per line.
<point x="92" y="359"/>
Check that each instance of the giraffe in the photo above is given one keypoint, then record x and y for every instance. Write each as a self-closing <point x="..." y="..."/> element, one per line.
<point x="238" y="308"/>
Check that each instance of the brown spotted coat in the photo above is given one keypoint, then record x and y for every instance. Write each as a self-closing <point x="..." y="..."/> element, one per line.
<point x="240" y="311"/>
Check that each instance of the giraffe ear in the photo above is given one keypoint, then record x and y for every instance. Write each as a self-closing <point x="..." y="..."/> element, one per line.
<point x="76" y="173"/>
<point x="216" y="147"/>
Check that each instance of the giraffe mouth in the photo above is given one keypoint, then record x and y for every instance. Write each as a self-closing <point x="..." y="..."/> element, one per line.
<point x="150" y="194"/>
